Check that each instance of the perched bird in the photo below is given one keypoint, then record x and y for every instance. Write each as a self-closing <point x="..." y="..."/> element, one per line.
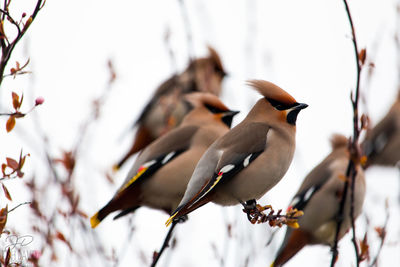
<point x="166" y="109"/>
<point x="161" y="172"/>
<point x="382" y="143"/>
<point x="319" y="198"/>
<point x="250" y="159"/>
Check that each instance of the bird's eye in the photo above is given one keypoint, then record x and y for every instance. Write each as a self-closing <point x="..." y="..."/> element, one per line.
<point x="279" y="105"/>
<point x="214" y="109"/>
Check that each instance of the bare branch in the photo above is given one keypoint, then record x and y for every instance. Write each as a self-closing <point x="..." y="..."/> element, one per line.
<point x="23" y="203"/>
<point x="351" y="171"/>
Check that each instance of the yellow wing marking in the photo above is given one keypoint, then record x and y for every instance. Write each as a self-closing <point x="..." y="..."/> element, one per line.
<point x="169" y="221"/>
<point x="134" y="178"/>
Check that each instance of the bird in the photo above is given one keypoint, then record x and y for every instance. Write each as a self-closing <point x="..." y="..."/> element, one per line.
<point x="319" y="197"/>
<point x="250" y="159"/>
<point x="166" y="109"/>
<point x="159" y="176"/>
<point x="381" y="145"/>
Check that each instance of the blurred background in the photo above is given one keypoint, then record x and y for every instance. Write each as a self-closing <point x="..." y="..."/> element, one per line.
<point x="85" y="124"/>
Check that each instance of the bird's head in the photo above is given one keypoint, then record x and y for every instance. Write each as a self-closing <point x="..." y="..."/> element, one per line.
<point x="205" y="105"/>
<point x="279" y="99"/>
<point x="207" y="72"/>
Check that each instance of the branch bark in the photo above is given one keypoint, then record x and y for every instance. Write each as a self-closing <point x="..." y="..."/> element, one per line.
<point x="351" y="172"/>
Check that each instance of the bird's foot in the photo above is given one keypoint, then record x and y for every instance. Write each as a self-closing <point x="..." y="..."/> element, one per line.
<point x="255" y="214"/>
<point x="182" y="219"/>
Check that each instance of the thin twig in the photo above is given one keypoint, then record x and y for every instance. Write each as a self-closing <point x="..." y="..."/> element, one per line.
<point x="351" y="171"/>
<point x="382" y="237"/>
<point x="23" y="203"/>
<point x="7" y="49"/>
<point x="164" y="245"/>
<point x="186" y="25"/>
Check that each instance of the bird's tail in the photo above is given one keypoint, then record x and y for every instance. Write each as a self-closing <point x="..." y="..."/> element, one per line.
<point x="296" y="240"/>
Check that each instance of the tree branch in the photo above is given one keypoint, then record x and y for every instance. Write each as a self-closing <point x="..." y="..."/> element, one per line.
<point x="351" y="171"/>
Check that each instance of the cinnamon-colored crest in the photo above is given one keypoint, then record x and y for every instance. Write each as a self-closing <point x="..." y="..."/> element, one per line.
<point x="215" y="58"/>
<point x="201" y="99"/>
<point x="272" y="91"/>
<point x="338" y="141"/>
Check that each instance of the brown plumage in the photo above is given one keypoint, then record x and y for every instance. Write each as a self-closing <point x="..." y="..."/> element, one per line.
<point x="319" y="197"/>
<point x="160" y="174"/>
<point x="250" y="159"/>
<point x="382" y="142"/>
<point x="166" y="109"/>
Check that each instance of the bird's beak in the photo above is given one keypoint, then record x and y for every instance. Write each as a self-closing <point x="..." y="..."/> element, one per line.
<point x="228" y="116"/>
<point x="300" y="106"/>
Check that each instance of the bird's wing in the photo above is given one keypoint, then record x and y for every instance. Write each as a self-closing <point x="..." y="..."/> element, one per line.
<point x="380" y="136"/>
<point x="159" y="153"/>
<point x="223" y="160"/>
<point x="317" y="178"/>
<point x="164" y="89"/>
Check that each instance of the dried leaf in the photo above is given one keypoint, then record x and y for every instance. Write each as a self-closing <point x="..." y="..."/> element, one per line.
<point x="364" y="121"/>
<point x="12" y="163"/>
<point x="381" y="232"/>
<point x="3" y="169"/>
<point x="3" y="218"/>
<point x="67" y="160"/>
<point x="27" y="24"/>
<point x="364" y="247"/>
<point x="2" y="28"/>
<point x="62" y="238"/>
<point x="10" y="123"/>
<point x="362" y="55"/>
<point x="6" y="193"/>
<point x="15" y="98"/>
<point x="82" y="214"/>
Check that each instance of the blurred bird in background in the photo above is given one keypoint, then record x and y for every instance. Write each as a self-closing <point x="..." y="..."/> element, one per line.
<point x="250" y="159"/>
<point x="382" y="143"/>
<point x="166" y="109"/>
<point x="161" y="172"/>
<point x="319" y="198"/>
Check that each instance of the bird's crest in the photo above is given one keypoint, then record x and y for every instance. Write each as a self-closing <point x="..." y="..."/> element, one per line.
<point x="338" y="141"/>
<point x="272" y="91"/>
<point x="206" y="99"/>
<point x="213" y="55"/>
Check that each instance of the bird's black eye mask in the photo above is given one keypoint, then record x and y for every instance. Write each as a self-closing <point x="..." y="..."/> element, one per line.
<point x="214" y="110"/>
<point x="279" y="105"/>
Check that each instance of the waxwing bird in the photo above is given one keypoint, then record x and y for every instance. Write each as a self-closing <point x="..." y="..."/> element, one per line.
<point x="251" y="158"/>
<point x="166" y="109"/>
<point x="382" y="142"/>
<point x="161" y="172"/>
<point x="319" y="198"/>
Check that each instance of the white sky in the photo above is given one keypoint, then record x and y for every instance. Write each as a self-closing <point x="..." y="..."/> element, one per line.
<point x="303" y="46"/>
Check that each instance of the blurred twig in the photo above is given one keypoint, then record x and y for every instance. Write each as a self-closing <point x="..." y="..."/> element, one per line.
<point x="186" y="25"/>
<point x="381" y="231"/>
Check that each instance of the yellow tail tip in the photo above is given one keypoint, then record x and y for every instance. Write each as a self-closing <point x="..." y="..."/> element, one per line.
<point x="272" y="264"/>
<point x="169" y="221"/>
<point x="94" y="221"/>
